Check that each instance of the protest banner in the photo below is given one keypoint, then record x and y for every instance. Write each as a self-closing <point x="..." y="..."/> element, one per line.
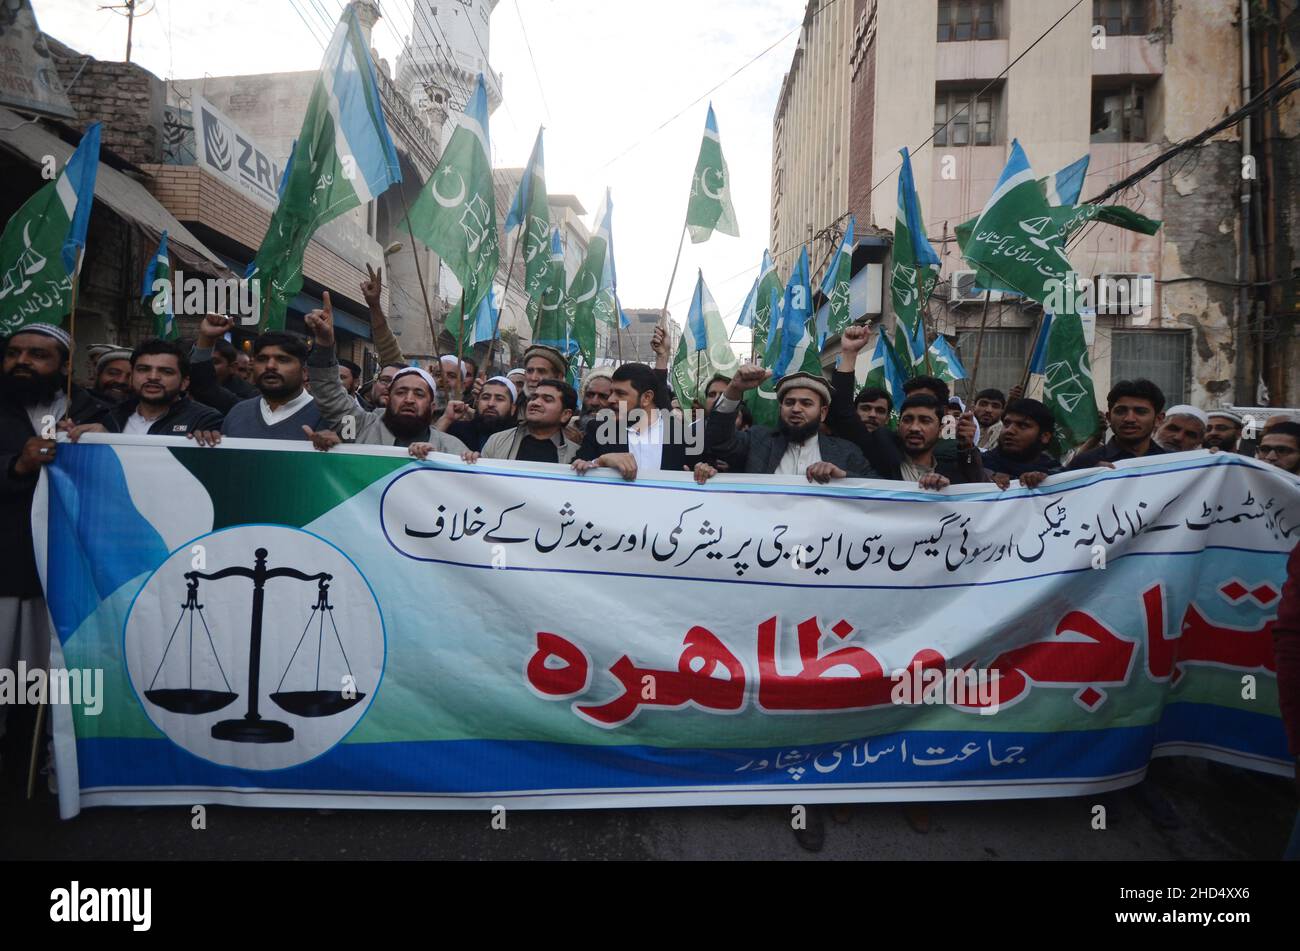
<point x="279" y="627"/>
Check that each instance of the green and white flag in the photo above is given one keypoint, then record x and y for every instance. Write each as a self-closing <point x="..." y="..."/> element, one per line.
<point x="883" y="370"/>
<point x="547" y="312"/>
<point x="343" y="158"/>
<point x="591" y="296"/>
<point x="762" y="399"/>
<point x="158" y="292"/>
<point x="704" y="349"/>
<point x="835" y="316"/>
<point x="1018" y="242"/>
<point x="456" y="216"/>
<point x="531" y="213"/>
<point x="710" y="205"/>
<point x="756" y="312"/>
<point x="914" y="274"/>
<point x="41" y="245"/>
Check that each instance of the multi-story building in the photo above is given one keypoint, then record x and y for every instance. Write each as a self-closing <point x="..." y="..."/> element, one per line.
<point x="448" y="47"/>
<point x="1122" y="81"/>
<point x="636" y="338"/>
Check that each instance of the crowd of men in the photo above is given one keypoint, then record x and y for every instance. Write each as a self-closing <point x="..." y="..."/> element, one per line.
<point x="626" y="419"/>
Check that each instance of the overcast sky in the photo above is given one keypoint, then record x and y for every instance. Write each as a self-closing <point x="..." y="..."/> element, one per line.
<point x="611" y="72"/>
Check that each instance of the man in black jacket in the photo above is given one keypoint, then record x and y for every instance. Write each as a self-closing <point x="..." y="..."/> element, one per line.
<point x="160" y="405"/>
<point x="916" y="449"/>
<point x="640" y="435"/>
<point x="33" y="404"/>
<point x="1021" y="450"/>
<point x="797" y="447"/>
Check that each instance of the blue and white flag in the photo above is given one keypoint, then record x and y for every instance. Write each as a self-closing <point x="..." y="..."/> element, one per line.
<point x="76" y="187"/>
<point x="158" y="293"/>
<point x="944" y="360"/>
<point x="1038" y="362"/>
<point x="1065" y="187"/>
<point x="799" y="351"/>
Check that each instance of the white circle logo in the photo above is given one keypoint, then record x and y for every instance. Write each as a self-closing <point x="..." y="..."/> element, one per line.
<point x="259" y="646"/>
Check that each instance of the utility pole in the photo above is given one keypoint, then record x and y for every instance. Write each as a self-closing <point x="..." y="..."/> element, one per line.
<point x="131" y="13"/>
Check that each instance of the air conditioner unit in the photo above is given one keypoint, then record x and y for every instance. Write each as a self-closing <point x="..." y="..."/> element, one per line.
<point x="1124" y="293"/>
<point x="962" y="290"/>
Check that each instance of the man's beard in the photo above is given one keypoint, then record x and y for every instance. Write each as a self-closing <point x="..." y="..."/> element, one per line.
<point x="801" y="434"/>
<point x="166" y="399"/>
<point x="277" y="391"/>
<point x="406" y="427"/>
<point x="495" y="423"/>
<point x="1029" y="455"/>
<point x="32" y="390"/>
<point x="115" y="392"/>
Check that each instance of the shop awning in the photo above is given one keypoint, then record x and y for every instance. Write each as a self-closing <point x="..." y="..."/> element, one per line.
<point x="126" y="197"/>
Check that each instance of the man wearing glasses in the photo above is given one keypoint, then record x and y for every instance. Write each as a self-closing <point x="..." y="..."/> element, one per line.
<point x="1280" y="446"/>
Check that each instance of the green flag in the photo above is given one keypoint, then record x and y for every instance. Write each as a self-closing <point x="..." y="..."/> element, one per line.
<point x="704" y="349"/>
<point x="1017" y="241"/>
<point x="590" y="294"/>
<point x="546" y="311"/>
<point x="157" y="293"/>
<point x="343" y="158"/>
<point x="710" y="205"/>
<point x="1066" y="221"/>
<point x="756" y="312"/>
<point x="531" y="213"/>
<point x="913" y="275"/>
<point x="41" y="244"/>
<point x="1068" y="387"/>
<point x="836" y="288"/>
<point x="762" y="399"/>
<point x="455" y="214"/>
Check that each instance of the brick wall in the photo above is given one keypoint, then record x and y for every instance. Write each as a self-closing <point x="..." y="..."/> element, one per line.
<point x="126" y="98"/>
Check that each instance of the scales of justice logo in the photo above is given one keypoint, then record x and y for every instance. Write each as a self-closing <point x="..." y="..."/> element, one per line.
<point x="257" y="646"/>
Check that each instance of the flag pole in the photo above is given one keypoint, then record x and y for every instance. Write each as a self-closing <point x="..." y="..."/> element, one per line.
<point x="979" y="342"/>
<point x="460" y="344"/>
<point x="1029" y="360"/>
<point x="923" y="313"/>
<point x="510" y="268"/>
<point x="419" y="273"/>
<point x="72" y="326"/>
<point x="663" y="314"/>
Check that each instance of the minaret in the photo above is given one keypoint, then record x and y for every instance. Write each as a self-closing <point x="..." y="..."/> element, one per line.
<point x="448" y="47"/>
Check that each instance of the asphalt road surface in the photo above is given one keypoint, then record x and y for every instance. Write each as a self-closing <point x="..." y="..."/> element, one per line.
<point x="1187" y="809"/>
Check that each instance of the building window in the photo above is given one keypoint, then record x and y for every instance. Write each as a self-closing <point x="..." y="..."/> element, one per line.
<point x="1120" y="114"/>
<point x="967" y="20"/>
<point x="1002" y="359"/>
<point x="1121" y="17"/>
<point x="965" y="117"/>
<point x="1163" y="357"/>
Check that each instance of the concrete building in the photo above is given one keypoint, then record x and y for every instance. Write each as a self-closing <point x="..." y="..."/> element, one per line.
<point x="1119" y="80"/>
<point x="637" y="337"/>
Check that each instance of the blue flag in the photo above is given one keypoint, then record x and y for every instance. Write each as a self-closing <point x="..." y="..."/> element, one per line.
<point x="160" y="299"/>
<point x="1065" y="187"/>
<point x="799" y="350"/>
<point x="79" y="178"/>
<point x="1038" y="362"/>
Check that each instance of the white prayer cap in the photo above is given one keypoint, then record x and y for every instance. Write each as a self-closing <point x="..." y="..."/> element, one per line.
<point x="421" y="373"/>
<point x="47" y="330"/>
<point x="1183" y="409"/>
<point x="449" y="360"/>
<point x="505" y="381"/>
<point x="1227" y="414"/>
<point x="520" y="370"/>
